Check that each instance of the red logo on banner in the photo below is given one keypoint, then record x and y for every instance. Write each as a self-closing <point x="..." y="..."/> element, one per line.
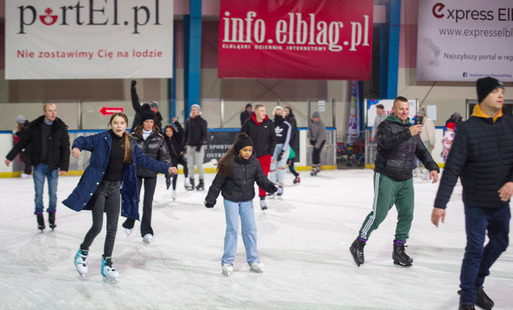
<point x="298" y="39"/>
<point x="110" y="110"/>
<point x="48" y="19"/>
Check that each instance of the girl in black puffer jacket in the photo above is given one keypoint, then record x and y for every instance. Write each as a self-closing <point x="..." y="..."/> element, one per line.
<point x="151" y="142"/>
<point x="238" y="171"/>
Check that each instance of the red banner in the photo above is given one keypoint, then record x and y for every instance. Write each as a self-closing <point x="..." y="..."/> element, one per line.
<point x="295" y="39"/>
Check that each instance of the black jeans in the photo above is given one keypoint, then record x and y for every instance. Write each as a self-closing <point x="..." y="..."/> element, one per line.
<point x="182" y="161"/>
<point x="149" y="189"/>
<point x="107" y="198"/>
<point x="316" y="154"/>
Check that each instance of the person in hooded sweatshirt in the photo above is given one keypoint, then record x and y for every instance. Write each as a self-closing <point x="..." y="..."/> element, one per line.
<point x="261" y="130"/>
<point x="283" y="131"/>
<point x="317" y="137"/>
<point x="148" y="138"/>
<point x="237" y="172"/>
<point x="138" y="108"/>
<point x="195" y="141"/>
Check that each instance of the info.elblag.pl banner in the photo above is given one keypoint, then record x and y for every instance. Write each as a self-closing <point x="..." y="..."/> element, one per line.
<point x="299" y="39"/>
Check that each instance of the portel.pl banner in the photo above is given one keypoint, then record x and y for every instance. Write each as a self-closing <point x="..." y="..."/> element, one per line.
<point x="84" y="39"/>
<point x="295" y="39"/>
<point x="465" y="40"/>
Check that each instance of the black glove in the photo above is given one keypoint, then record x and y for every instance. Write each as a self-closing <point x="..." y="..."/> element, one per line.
<point x="312" y="142"/>
<point x="273" y="189"/>
<point x="280" y="156"/>
<point x="132" y="84"/>
<point x="208" y="205"/>
<point x="198" y="148"/>
<point x="168" y="181"/>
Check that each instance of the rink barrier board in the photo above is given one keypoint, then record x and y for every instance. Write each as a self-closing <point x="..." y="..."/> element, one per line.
<point x="180" y="171"/>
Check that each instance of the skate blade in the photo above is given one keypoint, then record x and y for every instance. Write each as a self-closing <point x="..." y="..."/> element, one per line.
<point x="226" y="273"/>
<point x="110" y="280"/>
<point x="397" y="263"/>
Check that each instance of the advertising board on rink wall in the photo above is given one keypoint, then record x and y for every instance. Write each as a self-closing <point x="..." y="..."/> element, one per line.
<point x="85" y="39"/>
<point x="295" y="39"/>
<point x="465" y="40"/>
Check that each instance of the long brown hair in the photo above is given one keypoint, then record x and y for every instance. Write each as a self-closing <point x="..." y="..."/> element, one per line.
<point x="138" y="130"/>
<point x="125" y="141"/>
<point x="225" y="165"/>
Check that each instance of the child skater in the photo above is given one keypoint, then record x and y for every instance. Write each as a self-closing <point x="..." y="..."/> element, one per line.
<point x="114" y="161"/>
<point x="237" y="172"/>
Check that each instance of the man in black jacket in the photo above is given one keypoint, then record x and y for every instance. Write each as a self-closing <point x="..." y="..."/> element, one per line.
<point x="261" y="130"/>
<point x="246" y="114"/>
<point x="49" y="154"/>
<point x="482" y="157"/>
<point x="398" y="144"/>
<point x="195" y="139"/>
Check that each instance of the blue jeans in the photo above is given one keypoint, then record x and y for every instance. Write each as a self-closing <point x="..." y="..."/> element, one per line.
<point x="40" y="171"/>
<point x="247" y="218"/>
<point x="478" y="259"/>
<point x="278" y="167"/>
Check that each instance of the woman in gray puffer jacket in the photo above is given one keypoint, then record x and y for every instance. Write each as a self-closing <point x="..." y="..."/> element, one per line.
<point x="152" y="143"/>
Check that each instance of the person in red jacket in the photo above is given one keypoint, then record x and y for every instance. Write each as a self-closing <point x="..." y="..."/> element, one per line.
<point x="261" y="130"/>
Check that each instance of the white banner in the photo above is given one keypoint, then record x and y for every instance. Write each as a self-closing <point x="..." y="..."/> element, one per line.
<point x="465" y="40"/>
<point x="79" y="39"/>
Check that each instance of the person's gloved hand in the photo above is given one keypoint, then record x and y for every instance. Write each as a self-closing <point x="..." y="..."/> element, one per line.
<point x="198" y="148"/>
<point x="312" y="142"/>
<point x="132" y="84"/>
<point x="280" y="156"/>
<point x="168" y="181"/>
<point x="273" y="189"/>
<point x="208" y="205"/>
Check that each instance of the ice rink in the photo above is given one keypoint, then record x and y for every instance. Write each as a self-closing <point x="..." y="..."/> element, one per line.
<point x="303" y="241"/>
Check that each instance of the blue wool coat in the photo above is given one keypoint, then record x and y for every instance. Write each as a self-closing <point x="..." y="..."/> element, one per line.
<point x="100" y="146"/>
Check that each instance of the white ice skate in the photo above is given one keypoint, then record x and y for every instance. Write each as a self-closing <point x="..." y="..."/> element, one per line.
<point x="187" y="184"/>
<point x="81" y="263"/>
<point x="147" y="238"/>
<point x="227" y="269"/>
<point x="128" y="231"/>
<point x="173" y="195"/>
<point x="256" y="267"/>
<point x="109" y="273"/>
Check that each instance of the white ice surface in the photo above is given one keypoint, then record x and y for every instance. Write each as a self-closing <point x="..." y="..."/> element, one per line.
<point x="303" y="241"/>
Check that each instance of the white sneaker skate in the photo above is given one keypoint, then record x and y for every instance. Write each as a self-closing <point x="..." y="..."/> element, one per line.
<point x="280" y="190"/>
<point x="26" y="176"/>
<point x="173" y="195"/>
<point x="256" y="267"/>
<point x="81" y="263"/>
<point x="147" y="238"/>
<point x="187" y="184"/>
<point x="128" y="231"/>
<point x="263" y="204"/>
<point x="227" y="269"/>
<point x="109" y="273"/>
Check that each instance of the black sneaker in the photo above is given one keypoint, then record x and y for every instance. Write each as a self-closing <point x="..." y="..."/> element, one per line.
<point x="51" y="220"/>
<point x="356" y="250"/>
<point x="399" y="255"/>
<point x="482" y="300"/>
<point x="467" y="307"/>
<point x="40" y="222"/>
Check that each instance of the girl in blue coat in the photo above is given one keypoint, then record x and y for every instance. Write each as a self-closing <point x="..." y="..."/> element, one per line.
<point x="238" y="171"/>
<point x="114" y="161"/>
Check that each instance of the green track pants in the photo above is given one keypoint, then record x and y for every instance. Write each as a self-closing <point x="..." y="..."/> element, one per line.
<point x="388" y="192"/>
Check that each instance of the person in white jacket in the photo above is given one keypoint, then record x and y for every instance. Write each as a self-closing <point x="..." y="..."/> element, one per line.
<point x="427" y="135"/>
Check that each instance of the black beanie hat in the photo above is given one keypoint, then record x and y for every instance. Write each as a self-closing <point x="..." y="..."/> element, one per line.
<point x="147" y="114"/>
<point x="243" y="141"/>
<point x="485" y="86"/>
